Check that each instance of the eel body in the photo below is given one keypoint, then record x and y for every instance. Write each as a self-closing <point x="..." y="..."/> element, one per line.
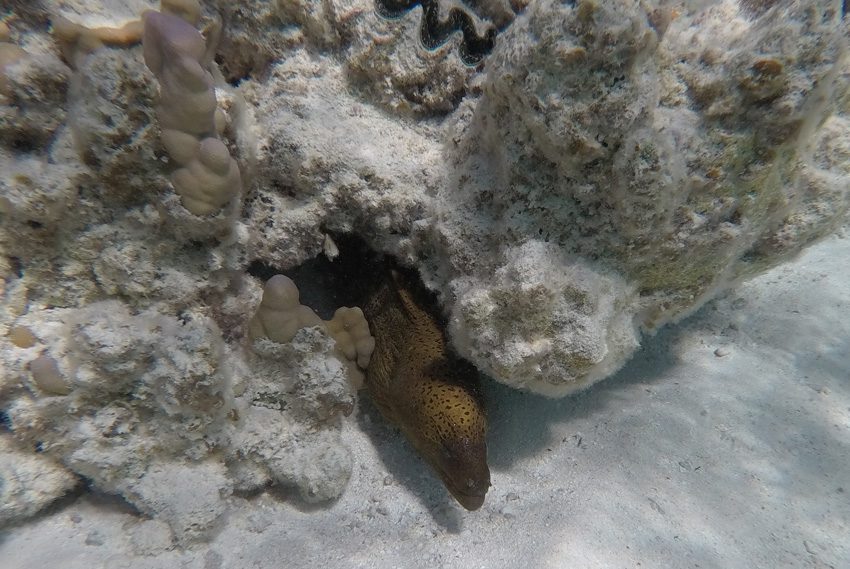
<point x="429" y="393"/>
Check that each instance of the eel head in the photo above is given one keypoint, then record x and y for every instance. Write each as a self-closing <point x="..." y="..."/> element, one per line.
<point x="462" y="466"/>
<point x="448" y="428"/>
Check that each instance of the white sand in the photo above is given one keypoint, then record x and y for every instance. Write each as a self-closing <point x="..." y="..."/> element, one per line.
<point x="685" y="459"/>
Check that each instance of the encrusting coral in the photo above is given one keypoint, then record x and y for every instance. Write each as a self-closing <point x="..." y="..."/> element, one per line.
<point x="28" y="481"/>
<point x="643" y="164"/>
<point x="9" y="54"/>
<point x="117" y="336"/>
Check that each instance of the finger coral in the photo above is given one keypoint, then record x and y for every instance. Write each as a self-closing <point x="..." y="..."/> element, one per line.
<point x="77" y="41"/>
<point x="280" y="316"/>
<point x="207" y="177"/>
<point x="349" y="329"/>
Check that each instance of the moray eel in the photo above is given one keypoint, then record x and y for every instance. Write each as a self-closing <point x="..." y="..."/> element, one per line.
<point x="430" y="394"/>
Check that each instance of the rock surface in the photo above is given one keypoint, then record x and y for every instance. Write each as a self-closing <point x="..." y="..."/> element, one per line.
<point x="602" y="172"/>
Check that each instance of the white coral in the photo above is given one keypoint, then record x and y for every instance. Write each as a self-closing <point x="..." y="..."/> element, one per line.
<point x="28" y="482"/>
<point x="545" y="322"/>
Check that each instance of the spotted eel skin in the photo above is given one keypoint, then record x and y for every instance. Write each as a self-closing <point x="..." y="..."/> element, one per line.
<point x="430" y="394"/>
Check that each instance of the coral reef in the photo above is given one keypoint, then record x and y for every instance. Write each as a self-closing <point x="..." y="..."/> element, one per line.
<point x="28" y="481"/>
<point x="287" y="432"/>
<point x="606" y="169"/>
<point x="9" y="54"/>
<point x="436" y="28"/>
<point x="115" y="366"/>
<point x="545" y="320"/>
<point x="319" y="178"/>
<point x="661" y="163"/>
<point x="31" y="94"/>
<point x="382" y="58"/>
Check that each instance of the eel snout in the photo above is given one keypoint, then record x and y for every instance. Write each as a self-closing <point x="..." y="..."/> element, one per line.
<point x="462" y="466"/>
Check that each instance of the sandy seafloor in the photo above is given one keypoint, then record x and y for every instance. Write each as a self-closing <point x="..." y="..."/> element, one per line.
<point x="724" y="443"/>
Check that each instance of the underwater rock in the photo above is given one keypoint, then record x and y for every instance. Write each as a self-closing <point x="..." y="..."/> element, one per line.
<point x="606" y="169"/>
<point x="28" y="482"/>
<point x="670" y="167"/>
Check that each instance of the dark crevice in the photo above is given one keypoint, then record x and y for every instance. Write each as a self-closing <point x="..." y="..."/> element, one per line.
<point x="434" y="32"/>
<point x="325" y="285"/>
<point x="351" y="279"/>
<point x="16" y="266"/>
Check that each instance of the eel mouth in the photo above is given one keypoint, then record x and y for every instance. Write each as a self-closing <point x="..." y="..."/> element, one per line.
<point x="467" y="481"/>
<point x="471" y="497"/>
<point x="469" y="501"/>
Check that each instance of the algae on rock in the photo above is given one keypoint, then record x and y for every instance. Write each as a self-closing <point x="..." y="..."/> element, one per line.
<point x="679" y="159"/>
<point x="606" y="170"/>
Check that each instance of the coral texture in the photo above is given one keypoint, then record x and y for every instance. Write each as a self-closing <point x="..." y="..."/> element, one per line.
<point x="606" y="169"/>
<point x="28" y="482"/>
<point x="657" y="163"/>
